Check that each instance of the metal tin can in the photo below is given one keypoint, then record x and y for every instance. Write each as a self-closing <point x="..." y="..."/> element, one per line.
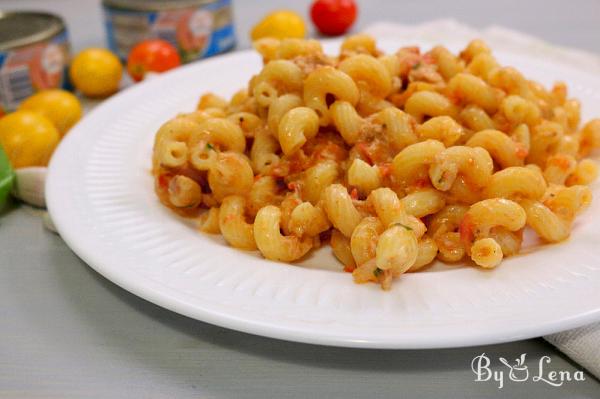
<point x="197" y="28"/>
<point x="34" y="54"/>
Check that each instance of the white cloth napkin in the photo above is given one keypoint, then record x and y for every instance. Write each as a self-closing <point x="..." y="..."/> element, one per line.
<point x="580" y="344"/>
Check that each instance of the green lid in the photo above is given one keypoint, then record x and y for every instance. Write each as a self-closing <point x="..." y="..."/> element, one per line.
<point x="7" y="178"/>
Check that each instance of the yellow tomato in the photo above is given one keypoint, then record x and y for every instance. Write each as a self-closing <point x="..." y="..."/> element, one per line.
<point x="28" y="138"/>
<point x="280" y="25"/>
<point x="61" y="107"/>
<point x="96" y="72"/>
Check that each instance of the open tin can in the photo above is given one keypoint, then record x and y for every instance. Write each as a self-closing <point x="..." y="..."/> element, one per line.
<point x="34" y="54"/>
<point x="197" y="28"/>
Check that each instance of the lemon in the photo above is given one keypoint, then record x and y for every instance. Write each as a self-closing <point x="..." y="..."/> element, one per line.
<point x="280" y="25"/>
<point x="96" y="72"/>
<point x="28" y="138"/>
<point x="61" y="107"/>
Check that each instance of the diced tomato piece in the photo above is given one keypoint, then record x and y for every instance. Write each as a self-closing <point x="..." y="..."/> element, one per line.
<point x="422" y="182"/>
<point x="385" y="169"/>
<point x="466" y="229"/>
<point x="454" y="98"/>
<point x="364" y="151"/>
<point x="560" y="161"/>
<point x="521" y="151"/>
<point x="349" y="268"/>
<point x="354" y="194"/>
<point x="164" y="180"/>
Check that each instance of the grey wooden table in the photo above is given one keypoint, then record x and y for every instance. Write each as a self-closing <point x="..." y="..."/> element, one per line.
<point x="66" y="332"/>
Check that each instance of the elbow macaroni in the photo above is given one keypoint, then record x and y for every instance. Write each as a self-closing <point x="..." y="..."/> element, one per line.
<point x="296" y="127"/>
<point x="396" y="159"/>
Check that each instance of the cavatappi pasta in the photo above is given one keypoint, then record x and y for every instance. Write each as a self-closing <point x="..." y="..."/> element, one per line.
<point x="395" y="159"/>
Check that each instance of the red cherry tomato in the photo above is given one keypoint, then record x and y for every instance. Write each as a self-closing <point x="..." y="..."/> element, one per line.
<point x="333" y="17"/>
<point x="152" y="55"/>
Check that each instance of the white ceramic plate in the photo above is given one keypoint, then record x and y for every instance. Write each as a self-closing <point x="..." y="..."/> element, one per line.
<point x="100" y="195"/>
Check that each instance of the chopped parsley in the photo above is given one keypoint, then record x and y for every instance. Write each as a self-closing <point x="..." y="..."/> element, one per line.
<point x="209" y="146"/>
<point x="416" y="66"/>
<point x="377" y="272"/>
<point x="403" y="225"/>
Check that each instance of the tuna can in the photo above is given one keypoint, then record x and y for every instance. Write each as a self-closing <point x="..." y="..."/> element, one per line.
<point x="197" y="28"/>
<point x="34" y="54"/>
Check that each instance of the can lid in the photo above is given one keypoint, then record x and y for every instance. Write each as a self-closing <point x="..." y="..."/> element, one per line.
<point x="154" y="5"/>
<point x="22" y="28"/>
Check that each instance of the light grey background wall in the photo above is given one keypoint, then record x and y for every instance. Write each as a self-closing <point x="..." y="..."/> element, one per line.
<point x="570" y="23"/>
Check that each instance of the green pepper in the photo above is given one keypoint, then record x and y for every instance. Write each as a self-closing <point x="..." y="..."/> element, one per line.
<point x="7" y="178"/>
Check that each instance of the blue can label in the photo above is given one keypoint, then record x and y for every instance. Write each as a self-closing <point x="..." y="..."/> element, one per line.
<point x="27" y="69"/>
<point x="196" y="32"/>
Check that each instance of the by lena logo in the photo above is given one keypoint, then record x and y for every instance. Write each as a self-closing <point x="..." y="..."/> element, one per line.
<point x="518" y="371"/>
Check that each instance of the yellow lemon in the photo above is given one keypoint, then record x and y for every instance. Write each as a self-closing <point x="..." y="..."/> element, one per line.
<point x="61" y="107"/>
<point x="28" y="138"/>
<point x="96" y="72"/>
<point x="280" y="25"/>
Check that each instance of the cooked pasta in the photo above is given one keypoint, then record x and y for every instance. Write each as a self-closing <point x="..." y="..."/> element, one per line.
<point x="395" y="159"/>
